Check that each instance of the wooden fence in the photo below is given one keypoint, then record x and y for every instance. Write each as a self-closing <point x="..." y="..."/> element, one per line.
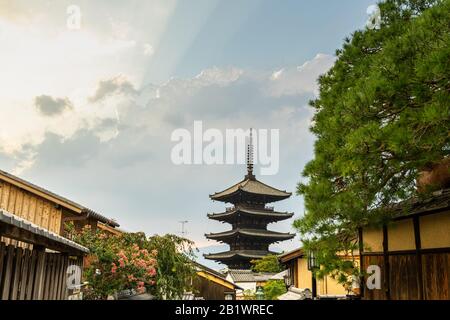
<point x="406" y="277"/>
<point x="34" y="274"/>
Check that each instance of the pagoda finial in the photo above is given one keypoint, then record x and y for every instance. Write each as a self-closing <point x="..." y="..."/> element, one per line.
<point x="250" y="174"/>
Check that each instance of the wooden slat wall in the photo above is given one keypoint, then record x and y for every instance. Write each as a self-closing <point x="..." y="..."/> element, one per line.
<point x="404" y="279"/>
<point x="30" y="207"/>
<point x="436" y="276"/>
<point x="33" y="275"/>
<point x="375" y="294"/>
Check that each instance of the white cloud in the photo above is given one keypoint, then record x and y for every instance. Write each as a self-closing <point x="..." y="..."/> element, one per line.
<point x="302" y="79"/>
<point x="148" y="50"/>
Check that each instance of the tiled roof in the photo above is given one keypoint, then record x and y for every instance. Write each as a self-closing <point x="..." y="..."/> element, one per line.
<point x="241" y="275"/>
<point x="201" y="268"/>
<point x="27" y="226"/>
<point x="254" y="212"/>
<point x="293" y="254"/>
<point x="251" y="186"/>
<point x="435" y="201"/>
<point x="253" y="254"/>
<point x="262" y="233"/>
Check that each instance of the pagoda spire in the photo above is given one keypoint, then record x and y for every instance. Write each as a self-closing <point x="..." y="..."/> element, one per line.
<point x="250" y="174"/>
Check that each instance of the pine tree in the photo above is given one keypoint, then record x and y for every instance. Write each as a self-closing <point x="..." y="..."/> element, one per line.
<point x="383" y="113"/>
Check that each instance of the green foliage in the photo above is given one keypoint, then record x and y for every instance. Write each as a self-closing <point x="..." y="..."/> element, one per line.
<point x="273" y="289"/>
<point x="383" y="114"/>
<point x="249" y="294"/>
<point x="175" y="268"/>
<point x="268" y="263"/>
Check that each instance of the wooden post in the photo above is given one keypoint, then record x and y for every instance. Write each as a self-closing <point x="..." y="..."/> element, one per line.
<point x="50" y="271"/>
<point x="38" y="292"/>
<point x="2" y="258"/>
<point x="8" y="272"/>
<point x="30" y="281"/>
<point x="17" y="273"/>
<point x="314" y="284"/>
<point x="60" y="295"/>
<point x="362" y="283"/>
<point x="418" y="257"/>
<point x="25" y="273"/>
<point x="387" y="282"/>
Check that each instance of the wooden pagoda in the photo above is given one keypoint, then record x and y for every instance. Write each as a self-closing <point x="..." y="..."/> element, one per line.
<point x="249" y="216"/>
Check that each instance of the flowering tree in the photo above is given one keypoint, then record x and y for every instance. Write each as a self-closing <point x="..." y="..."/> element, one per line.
<point x="116" y="263"/>
<point x="160" y="264"/>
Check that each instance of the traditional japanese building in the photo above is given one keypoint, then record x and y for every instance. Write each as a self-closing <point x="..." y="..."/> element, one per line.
<point x="249" y="216"/>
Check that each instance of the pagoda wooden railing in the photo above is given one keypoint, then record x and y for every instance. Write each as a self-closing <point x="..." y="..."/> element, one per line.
<point x="266" y="208"/>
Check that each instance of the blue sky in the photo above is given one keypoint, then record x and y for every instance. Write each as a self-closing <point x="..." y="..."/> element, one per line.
<point x="91" y="111"/>
<point x="259" y="34"/>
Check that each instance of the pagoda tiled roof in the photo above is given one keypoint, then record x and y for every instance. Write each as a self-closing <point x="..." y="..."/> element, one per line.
<point x="252" y="186"/>
<point x="260" y="233"/>
<point x="275" y="215"/>
<point x="253" y="254"/>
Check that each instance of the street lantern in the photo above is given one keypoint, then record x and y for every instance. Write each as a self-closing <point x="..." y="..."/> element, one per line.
<point x="312" y="261"/>
<point x="313" y="266"/>
<point x="228" y="296"/>
<point x="287" y="279"/>
<point x="259" y="293"/>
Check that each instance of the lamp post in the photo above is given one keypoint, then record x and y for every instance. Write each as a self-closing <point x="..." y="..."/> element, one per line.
<point x="229" y="296"/>
<point x="287" y="279"/>
<point x="259" y="294"/>
<point x="313" y="266"/>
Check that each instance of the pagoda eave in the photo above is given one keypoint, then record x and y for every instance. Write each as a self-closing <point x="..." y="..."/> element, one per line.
<point x="250" y="189"/>
<point x="256" y="197"/>
<point x="261" y="214"/>
<point x="233" y="254"/>
<point x="265" y="235"/>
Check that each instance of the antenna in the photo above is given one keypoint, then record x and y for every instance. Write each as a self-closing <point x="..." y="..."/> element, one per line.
<point x="250" y="157"/>
<point x="183" y="230"/>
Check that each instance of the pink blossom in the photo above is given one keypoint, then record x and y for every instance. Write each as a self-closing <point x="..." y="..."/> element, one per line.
<point x="113" y="268"/>
<point x="151" y="272"/>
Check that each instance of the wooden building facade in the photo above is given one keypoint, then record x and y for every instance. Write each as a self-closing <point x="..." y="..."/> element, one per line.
<point x="45" y="208"/>
<point x="46" y="267"/>
<point x="296" y="262"/>
<point x="209" y="284"/>
<point x="37" y="260"/>
<point x="412" y="253"/>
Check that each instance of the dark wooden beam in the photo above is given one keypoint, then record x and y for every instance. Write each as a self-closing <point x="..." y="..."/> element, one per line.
<point x="387" y="284"/>
<point x="418" y="256"/>
<point x="73" y="218"/>
<point x="362" y="282"/>
<point x="409" y="252"/>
